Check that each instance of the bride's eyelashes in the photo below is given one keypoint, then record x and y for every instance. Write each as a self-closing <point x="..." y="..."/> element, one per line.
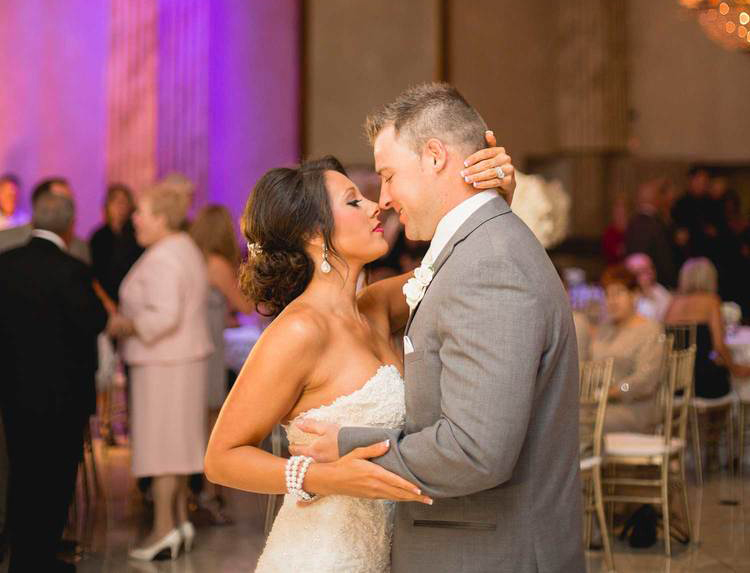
<point x="355" y="202"/>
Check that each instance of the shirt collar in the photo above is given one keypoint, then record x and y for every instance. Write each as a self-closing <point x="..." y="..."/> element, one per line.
<point x="453" y="219"/>
<point x="50" y="236"/>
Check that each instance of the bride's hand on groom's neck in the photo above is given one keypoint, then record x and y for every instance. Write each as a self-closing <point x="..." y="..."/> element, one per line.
<point x="484" y="168"/>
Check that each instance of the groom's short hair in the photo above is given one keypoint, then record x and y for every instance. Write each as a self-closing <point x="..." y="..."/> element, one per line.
<point x="430" y="110"/>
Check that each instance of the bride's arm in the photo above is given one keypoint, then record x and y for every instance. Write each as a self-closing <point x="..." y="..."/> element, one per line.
<point x="384" y="302"/>
<point x="481" y="169"/>
<point x="265" y="392"/>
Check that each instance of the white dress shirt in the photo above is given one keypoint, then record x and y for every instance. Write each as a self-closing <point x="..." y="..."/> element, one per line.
<point x="50" y="236"/>
<point x="452" y="221"/>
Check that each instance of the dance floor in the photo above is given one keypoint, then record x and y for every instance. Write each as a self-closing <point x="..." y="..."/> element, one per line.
<point x="119" y="520"/>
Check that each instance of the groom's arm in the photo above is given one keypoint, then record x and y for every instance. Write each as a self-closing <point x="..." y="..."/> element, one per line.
<point x="493" y="332"/>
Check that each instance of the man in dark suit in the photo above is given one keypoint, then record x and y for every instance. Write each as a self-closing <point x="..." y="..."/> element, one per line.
<point x="49" y="321"/>
<point x="17" y="236"/>
<point x="648" y="233"/>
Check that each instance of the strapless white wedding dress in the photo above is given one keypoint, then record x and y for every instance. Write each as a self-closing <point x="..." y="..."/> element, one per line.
<point x="339" y="533"/>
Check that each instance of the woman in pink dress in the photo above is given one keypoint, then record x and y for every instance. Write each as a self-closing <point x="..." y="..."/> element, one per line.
<point x="166" y="343"/>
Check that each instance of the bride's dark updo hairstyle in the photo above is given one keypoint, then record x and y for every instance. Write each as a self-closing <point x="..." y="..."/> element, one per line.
<point x="287" y="207"/>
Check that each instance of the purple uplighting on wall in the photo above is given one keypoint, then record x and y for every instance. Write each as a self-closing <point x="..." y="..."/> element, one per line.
<point x="227" y="83"/>
<point x="52" y="106"/>
<point x="254" y="94"/>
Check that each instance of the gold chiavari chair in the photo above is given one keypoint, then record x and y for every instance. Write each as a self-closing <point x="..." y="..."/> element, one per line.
<point x="651" y="455"/>
<point x="744" y="410"/>
<point x="595" y="379"/>
<point x="88" y="494"/>
<point x="683" y="335"/>
<point x="706" y="409"/>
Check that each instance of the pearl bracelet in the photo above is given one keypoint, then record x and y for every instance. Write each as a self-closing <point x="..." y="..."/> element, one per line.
<point x="296" y="468"/>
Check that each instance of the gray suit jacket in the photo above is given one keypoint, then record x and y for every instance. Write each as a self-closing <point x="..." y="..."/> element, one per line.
<point x="491" y="411"/>
<point x="19" y="236"/>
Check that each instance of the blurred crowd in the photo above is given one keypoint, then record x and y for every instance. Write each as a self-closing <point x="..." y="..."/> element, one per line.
<point x="706" y="220"/>
<point x="673" y="264"/>
<point x="147" y="297"/>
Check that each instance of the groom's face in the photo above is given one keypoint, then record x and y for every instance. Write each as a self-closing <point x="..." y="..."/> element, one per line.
<point x="406" y="185"/>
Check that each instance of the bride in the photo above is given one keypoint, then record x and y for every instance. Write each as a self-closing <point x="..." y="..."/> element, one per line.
<point x="329" y="355"/>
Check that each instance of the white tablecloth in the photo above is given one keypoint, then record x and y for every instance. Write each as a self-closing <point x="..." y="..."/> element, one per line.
<point x="738" y="342"/>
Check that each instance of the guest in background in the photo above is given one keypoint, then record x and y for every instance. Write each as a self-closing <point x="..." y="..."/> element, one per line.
<point x="714" y="217"/>
<point x="636" y="345"/>
<point x="17" y="236"/>
<point x="213" y="232"/>
<point x="739" y="235"/>
<point x="583" y="335"/>
<point x="689" y="213"/>
<point x="723" y="247"/>
<point x="49" y="321"/>
<point x="648" y="233"/>
<point x="114" y="248"/>
<point x="736" y="221"/>
<point x="654" y="299"/>
<point x="3" y="492"/>
<point x="185" y="190"/>
<point x="613" y="240"/>
<point x="10" y="214"/>
<point x="696" y="302"/>
<point x="164" y="323"/>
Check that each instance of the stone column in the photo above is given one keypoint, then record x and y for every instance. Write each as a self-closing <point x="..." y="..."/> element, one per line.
<point x="591" y="102"/>
<point x="132" y="92"/>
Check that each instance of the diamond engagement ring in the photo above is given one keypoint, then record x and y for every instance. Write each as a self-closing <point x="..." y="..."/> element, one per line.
<point x="500" y="173"/>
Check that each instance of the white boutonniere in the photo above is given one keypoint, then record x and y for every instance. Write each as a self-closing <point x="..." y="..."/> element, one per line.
<point x="415" y="287"/>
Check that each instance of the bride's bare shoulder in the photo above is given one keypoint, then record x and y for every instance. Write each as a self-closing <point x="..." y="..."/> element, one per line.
<point x="299" y="326"/>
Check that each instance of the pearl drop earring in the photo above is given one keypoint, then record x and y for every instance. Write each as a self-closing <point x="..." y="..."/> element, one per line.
<point x="325" y="266"/>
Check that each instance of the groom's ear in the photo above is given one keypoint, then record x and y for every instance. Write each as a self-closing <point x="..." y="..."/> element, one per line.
<point x="435" y="155"/>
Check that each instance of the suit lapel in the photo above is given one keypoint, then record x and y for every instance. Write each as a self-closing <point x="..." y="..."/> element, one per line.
<point x="490" y="210"/>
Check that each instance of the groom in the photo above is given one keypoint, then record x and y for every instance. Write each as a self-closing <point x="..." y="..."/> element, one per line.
<point x="491" y="364"/>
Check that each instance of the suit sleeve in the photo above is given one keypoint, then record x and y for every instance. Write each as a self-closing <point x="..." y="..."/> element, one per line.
<point x="164" y="292"/>
<point x="493" y="334"/>
<point x="85" y="311"/>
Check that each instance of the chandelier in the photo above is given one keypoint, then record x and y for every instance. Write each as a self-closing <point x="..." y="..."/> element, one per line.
<point x="726" y="22"/>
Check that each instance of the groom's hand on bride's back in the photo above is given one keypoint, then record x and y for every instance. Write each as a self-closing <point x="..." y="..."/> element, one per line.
<point x="355" y="476"/>
<point x="482" y="169"/>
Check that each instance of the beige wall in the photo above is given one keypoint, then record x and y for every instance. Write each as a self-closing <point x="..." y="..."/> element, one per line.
<point x="501" y="56"/>
<point x="359" y="55"/>
<point x="689" y="95"/>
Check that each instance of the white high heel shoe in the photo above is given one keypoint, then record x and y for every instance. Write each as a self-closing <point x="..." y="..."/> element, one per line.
<point x="171" y="541"/>
<point x="187" y="530"/>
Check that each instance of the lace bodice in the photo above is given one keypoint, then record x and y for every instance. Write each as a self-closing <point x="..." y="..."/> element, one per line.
<point x="340" y="533"/>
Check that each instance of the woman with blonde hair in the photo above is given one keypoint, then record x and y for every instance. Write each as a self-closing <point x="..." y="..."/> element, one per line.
<point x="163" y="322"/>
<point x="696" y="302"/>
<point x="213" y="232"/>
